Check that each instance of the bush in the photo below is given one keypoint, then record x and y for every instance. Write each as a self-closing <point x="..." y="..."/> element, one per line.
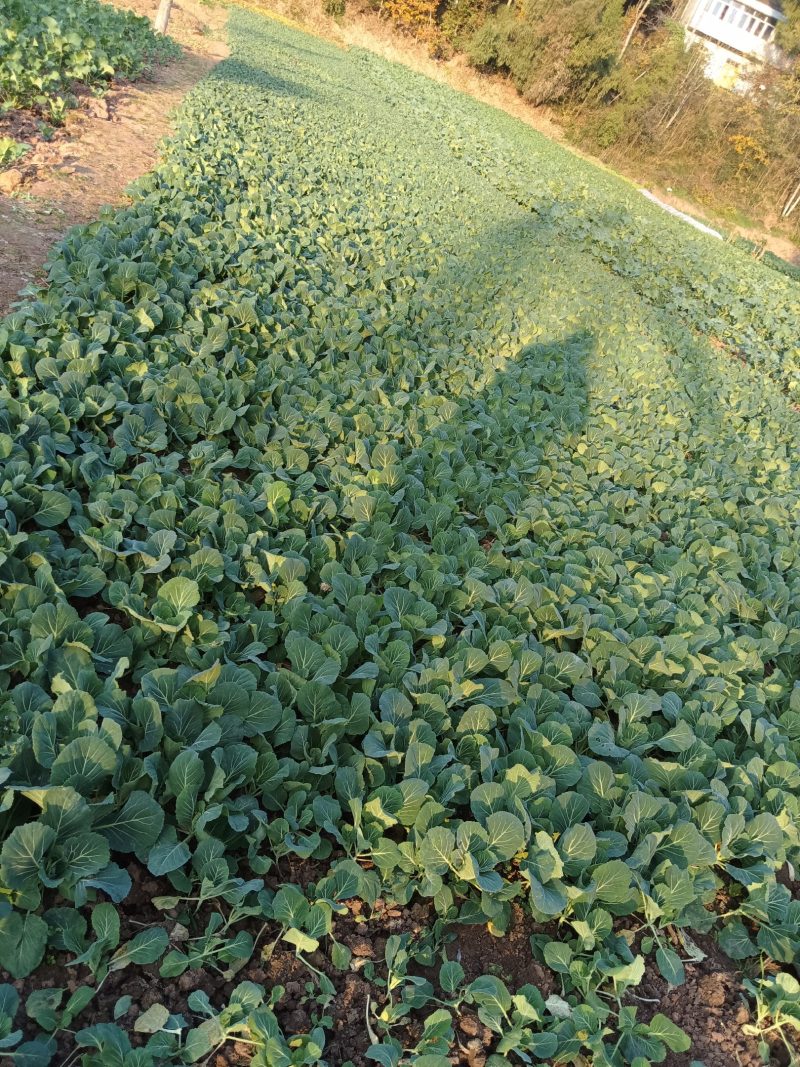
<point x="552" y="53"/>
<point x="462" y="19"/>
<point x="415" y="16"/>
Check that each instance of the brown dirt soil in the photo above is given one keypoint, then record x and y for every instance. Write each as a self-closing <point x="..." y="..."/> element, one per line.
<point x="27" y="231"/>
<point x="508" y="957"/>
<point x="710" y="1007"/>
<point x="103" y="146"/>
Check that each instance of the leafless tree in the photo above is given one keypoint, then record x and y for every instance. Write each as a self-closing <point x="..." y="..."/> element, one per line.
<point x="792" y="201"/>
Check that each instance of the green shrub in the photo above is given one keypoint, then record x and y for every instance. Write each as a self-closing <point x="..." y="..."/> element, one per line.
<point x="553" y="53"/>
<point x="47" y="46"/>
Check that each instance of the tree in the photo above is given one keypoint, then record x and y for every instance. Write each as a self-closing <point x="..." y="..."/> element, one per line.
<point x="788" y="32"/>
<point x="416" y="16"/>
<point x="162" y="16"/>
<point x="556" y="51"/>
<point x="787" y="107"/>
<point x="640" y="9"/>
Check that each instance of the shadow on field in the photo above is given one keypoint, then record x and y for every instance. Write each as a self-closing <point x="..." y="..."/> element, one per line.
<point x="522" y="382"/>
<point x="327" y="51"/>
<point x="238" y="72"/>
<point x="235" y="72"/>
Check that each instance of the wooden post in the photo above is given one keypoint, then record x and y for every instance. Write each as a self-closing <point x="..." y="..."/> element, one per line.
<point x="162" y="16"/>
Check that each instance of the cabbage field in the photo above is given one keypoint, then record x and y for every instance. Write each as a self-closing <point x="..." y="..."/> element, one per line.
<point x="50" y="47"/>
<point x="400" y="604"/>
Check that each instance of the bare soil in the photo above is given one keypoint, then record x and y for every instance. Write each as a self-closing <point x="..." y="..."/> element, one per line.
<point x="104" y="145"/>
<point x="710" y="1007"/>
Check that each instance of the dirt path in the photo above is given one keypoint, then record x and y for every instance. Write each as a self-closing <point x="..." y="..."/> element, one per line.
<point x="102" y="148"/>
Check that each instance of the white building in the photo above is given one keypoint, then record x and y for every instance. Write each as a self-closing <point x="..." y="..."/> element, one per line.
<point x="738" y="34"/>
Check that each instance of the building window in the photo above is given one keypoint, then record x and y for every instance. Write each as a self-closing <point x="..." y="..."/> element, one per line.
<point x="741" y="16"/>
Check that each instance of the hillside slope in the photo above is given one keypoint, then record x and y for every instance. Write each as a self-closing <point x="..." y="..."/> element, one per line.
<point x="400" y="602"/>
